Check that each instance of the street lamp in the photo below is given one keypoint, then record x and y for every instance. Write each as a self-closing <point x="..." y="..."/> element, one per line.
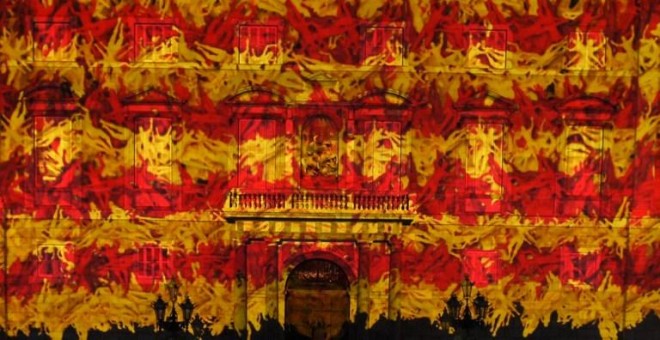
<point x="452" y="316"/>
<point x="172" y="324"/>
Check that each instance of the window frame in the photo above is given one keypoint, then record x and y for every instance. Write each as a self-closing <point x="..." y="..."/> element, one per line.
<point x="45" y="259"/>
<point x="578" y="277"/>
<point x="368" y="49"/>
<point x="244" y="57"/>
<point x="280" y="161"/>
<point x="143" y="23"/>
<point x="565" y="196"/>
<point x="152" y="104"/>
<point x="473" y="256"/>
<point x="160" y="263"/>
<point x="577" y="39"/>
<point x="54" y="101"/>
<point x="168" y="184"/>
<point x="67" y="22"/>
<point x="475" y="201"/>
<point x="472" y="31"/>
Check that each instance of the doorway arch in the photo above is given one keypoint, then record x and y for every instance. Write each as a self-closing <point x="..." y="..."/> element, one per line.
<point x="317" y="299"/>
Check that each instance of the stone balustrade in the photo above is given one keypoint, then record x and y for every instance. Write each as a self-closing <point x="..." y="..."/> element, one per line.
<point x="317" y="201"/>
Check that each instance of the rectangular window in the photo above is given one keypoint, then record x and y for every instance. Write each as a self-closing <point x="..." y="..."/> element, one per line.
<point x="381" y="155"/>
<point x="586" y="51"/>
<point x="481" y="266"/>
<point x="53" y="156"/>
<point x="580" y="267"/>
<point x="156" y="42"/>
<point x="153" y="161"/>
<point x="55" y="260"/>
<point x="487" y="48"/>
<point x="483" y="166"/>
<point x="581" y="165"/>
<point x="262" y="150"/>
<point x="152" y="264"/>
<point x="384" y="46"/>
<point x="53" y="40"/>
<point x="259" y="44"/>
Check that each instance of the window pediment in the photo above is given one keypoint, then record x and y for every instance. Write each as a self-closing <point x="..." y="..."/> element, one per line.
<point x="51" y="98"/>
<point x="586" y="108"/>
<point x="152" y="100"/>
<point x="256" y="96"/>
<point x="384" y="98"/>
<point x="151" y="96"/>
<point x="486" y="105"/>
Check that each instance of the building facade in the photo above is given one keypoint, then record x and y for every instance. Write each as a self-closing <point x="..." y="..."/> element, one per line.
<point x="318" y="162"/>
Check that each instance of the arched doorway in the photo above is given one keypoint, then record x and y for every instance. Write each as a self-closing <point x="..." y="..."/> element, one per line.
<point x="317" y="300"/>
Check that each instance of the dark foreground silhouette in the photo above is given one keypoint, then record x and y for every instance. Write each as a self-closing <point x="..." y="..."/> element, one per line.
<point x="385" y="329"/>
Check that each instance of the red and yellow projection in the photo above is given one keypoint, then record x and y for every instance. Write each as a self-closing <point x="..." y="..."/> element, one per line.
<point x="272" y="155"/>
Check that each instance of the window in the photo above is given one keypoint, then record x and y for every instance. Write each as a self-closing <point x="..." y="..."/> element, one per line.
<point x="156" y="42"/>
<point x="261" y="152"/>
<point x="259" y="44"/>
<point x="483" y="166"/>
<point x="481" y="266"/>
<point x="381" y="154"/>
<point x="153" y="161"/>
<point x="581" y="165"/>
<point x="152" y="264"/>
<point x="487" y="48"/>
<point x="53" y="40"/>
<point x="586" y="51"/>
<point x="384" y="46"/>
<point x="55" y="261"/>
<point x="580" y="267"/>
<point x="320" y="148"/>
<point x="54" y="156"/>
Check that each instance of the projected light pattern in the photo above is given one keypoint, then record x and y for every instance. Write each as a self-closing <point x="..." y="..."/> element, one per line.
<point x="521" y="139"/>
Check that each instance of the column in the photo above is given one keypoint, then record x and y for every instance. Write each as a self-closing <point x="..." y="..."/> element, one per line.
<point x="363" y="277"/>
<point x="272" y="279"/>
<point x="396" y="247"/>
<point x="240" y="287"/>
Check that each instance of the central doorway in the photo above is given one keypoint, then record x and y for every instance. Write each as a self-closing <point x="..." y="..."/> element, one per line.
<point x="317" y="300"/>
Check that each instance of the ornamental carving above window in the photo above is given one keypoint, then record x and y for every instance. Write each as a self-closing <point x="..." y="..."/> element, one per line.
<point x="315" y="273"/>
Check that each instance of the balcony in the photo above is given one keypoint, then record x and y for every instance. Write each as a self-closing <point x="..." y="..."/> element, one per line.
<point x="318" y="205"/>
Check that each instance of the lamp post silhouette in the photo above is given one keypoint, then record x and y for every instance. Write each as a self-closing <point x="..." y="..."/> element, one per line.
<point x="171" y="323"/>
<point x="458" y="315"/>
